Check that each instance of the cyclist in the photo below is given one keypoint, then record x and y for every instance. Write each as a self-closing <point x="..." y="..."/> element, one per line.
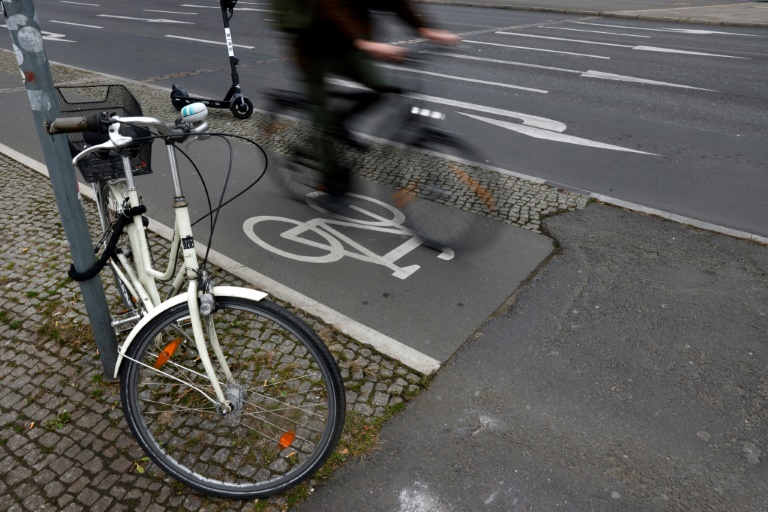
<point x="338" y="40"/>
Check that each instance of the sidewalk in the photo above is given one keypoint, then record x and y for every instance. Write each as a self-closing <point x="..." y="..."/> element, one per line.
<point x="744" y="13"/>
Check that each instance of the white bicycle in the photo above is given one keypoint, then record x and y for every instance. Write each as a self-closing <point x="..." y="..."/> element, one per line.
<point x="224" y="390"/>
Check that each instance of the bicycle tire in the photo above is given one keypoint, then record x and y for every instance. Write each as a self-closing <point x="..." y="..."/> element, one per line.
<point x="298" y="176"/>
<point x="258" y="449"/>
<point x="109" y="209"/>
<point x="445" y="201"/>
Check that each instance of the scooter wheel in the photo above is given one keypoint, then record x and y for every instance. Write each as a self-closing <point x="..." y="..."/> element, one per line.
<point x="242" y="109"/>
<point x="177" y="97"/>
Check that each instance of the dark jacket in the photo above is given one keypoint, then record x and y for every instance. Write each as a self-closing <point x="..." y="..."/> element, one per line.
<point x="338" y="23"/>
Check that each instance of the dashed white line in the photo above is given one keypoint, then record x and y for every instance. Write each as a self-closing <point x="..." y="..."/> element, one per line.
<point x="674" y="30"/>
<point x="641" y="48"/>
<point x="79" y="3"/>
<point x="207" y="41"/>
<point x="217" y="7"/>
<point x="462" y="79"/>
<point x="148" y="20"/>
<point x="585" y="74"/>
<point x="537" y="49"/>
<point x="596" y="32"/>
<point x="74" y="24"/>
<point x="172" y="12"/>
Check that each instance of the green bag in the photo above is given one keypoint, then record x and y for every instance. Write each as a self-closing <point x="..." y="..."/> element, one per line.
<point x="293" y="16"/>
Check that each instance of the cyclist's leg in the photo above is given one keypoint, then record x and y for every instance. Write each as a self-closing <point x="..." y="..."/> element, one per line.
<point x="326" y="125"/>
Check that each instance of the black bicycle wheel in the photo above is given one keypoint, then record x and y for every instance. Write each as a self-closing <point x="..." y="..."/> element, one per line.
<point x="445" y="198"/>
<point x="286" y="391"/>
<point x="298" y="175"/>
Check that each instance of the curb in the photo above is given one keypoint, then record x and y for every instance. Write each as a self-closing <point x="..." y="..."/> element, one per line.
<point x="603" y="14"/>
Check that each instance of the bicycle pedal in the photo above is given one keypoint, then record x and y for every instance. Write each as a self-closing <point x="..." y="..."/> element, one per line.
<point x="125" y="321"/>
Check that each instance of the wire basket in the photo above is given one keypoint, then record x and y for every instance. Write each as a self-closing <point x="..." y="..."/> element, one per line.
<point x="115" y="100"/>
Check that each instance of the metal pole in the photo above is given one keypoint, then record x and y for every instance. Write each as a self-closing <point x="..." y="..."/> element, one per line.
<point x="33" y="63"/>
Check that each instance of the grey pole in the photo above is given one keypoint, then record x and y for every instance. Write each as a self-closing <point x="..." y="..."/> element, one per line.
<point x="33" y="63"/>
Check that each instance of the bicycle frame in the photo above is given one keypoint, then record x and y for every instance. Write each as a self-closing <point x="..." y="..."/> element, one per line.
<point x="143" y="278"/>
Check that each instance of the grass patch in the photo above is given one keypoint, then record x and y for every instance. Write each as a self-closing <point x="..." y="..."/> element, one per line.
<point x="59" y="421"/>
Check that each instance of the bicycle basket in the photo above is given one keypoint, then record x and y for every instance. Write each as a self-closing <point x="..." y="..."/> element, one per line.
<point x="116" y="100"/>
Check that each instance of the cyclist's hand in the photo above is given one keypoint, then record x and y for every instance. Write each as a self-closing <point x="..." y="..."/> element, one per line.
<point x="440" y="36"/>
<point x="382" y="51"/>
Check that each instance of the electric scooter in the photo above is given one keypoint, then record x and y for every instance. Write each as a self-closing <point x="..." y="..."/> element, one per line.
<point x="240" y="106"/>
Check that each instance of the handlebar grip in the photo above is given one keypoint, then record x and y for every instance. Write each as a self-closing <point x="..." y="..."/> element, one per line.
<point x="90" y="123"/>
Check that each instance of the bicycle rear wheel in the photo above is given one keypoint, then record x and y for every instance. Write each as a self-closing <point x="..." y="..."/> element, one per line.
<point x="446" y="200"/>
<point x="110" y="196"/>
<point x="287" y="394"/>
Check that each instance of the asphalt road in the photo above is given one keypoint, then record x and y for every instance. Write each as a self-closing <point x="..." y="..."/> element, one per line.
<point x="662" y="115"/>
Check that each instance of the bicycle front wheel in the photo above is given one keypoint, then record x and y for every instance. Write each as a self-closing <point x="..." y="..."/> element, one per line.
<point x="286" y="392"/>
<point x="446" y="200"/>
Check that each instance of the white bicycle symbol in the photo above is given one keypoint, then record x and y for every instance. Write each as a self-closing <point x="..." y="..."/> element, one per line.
<point x="333" y="241"/>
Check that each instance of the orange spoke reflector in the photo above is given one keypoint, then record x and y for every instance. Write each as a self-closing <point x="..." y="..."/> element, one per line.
<point x="403" y="196"/>
<point x="287" y="439"/>
<point x="166" y="354"/>
<point x="480" y="191"/>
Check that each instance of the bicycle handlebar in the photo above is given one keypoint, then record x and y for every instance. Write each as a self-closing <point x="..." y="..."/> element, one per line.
<point x="90" y="123"/>
<point x="98" y="124"/>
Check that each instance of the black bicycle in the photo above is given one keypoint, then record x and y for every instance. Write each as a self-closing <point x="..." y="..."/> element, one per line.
<point x="443" y="193"/>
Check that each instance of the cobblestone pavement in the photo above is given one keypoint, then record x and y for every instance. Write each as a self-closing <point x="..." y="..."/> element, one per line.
<point x="64" y="443"/>
<point x="63" y="440"/>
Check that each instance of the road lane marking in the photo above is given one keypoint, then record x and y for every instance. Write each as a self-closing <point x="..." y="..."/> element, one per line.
<point x="538" y="49"/>
<point x="207" y="41"/>
<point x="527" y="119"/>
<point x="586" y="74"/>
<point x="148" y="20"/>
<point x="596" y="32"/>
<point x="622" y="78"/>
<point x="533" y="126"/>
<point x="74" y="24"/>
<point x="173" y="12"/>
<point x="79" y="3"/>
<point x="673" y="30"/>
<point x="217" y="7"/>
<point x="537" y="133"/>
<point x="641" y="48"/>
<point x="473" y="80"/>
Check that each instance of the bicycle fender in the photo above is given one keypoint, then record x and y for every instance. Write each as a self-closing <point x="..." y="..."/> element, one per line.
<point x="218" y="291"/>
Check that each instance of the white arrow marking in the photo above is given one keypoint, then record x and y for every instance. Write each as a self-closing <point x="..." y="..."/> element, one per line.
<point x="642" y="48"/>
<point x="596" y="32"/>
<point x="622" y="78"/>
<point x="585" y="74"/>
<point x="678" y="30"/>
<point x="75" y="24"/>
<point x="557" y="137"/>
<point x="533" y="126"/>
<point x="211" y="42"/>
<point x="497" y="84"/>
<point x="537" y="49"/>
<point x="145" y="19"/>
<point x="51" y="36"/>
<point x="527" y="119"/>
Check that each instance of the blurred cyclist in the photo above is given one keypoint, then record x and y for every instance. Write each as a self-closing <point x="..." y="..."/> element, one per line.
<point x="336" y="39"/>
